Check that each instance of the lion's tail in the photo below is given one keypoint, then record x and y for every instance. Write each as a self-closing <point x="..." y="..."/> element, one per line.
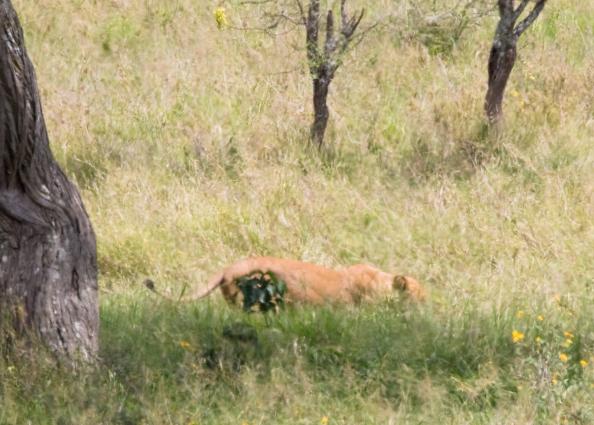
<point x="198" y="293"/>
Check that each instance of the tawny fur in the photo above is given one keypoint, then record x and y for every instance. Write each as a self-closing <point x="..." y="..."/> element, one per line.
<point x="309" y="283"/>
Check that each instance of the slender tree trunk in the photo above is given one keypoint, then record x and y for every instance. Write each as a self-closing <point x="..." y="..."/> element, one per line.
<point x="501" y="63"/>
<point x="323" y="62"/>
<point x="503" y="52"/>
<point x="48" y="270"/>
<point x="321" y="112"/>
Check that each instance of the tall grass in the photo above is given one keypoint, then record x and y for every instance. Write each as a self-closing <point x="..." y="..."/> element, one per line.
<point x="189" y="146"/>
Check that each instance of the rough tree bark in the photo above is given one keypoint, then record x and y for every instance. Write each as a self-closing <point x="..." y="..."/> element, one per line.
<point x="323" y="63"/>
<point x="503" y="51"/>
<point x="48" y="270"/>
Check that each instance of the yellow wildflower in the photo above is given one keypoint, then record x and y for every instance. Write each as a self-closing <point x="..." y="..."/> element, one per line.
<point x="538" y="340"/>
<point x="540" y="317"/>
<point x="220" y="18"/>
<point x="554" y="381"/>
<point x="517" y="336"/>
<point x="583" y="362"/>
<point x="520" y="314"/>
<point x="567" y="342"/>
<point x="184" y="344"/>
<point x="568" y="335"/>
<point x="563" y="357"/>
<point x="324" y="420"/>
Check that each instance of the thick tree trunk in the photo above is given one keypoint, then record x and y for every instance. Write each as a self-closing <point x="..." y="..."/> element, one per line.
<point x="48" y="271"/>
<point x="321" y="112"/>
<point x="501" y="63"/>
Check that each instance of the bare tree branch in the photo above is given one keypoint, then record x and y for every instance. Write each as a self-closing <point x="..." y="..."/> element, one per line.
<point x="520" y="9"/>
<point x="529" y="20"/>
<point x="343" y="14"/>
<point x="277" y="18"/>
<point x="330" y="45"/>
<point x="311" y="30"/>
<point x="301" y="12"/>
<point x="349" y="29"/>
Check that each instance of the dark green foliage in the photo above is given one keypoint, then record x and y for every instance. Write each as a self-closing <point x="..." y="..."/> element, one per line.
<point x="263" y="291"/>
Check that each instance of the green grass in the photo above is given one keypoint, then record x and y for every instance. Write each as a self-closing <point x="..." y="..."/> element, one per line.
<point x="189" y="147"/>
<point x="164" y="364"/>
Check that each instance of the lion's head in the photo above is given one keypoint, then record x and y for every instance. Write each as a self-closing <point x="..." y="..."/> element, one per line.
<point x="410" y="286"/>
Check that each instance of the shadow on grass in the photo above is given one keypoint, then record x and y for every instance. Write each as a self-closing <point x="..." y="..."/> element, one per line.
<point x="378" y="345"/>
<point x="197" y="360"/>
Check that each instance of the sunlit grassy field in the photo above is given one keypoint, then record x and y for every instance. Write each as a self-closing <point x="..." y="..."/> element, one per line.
<point x="189" y="146"/>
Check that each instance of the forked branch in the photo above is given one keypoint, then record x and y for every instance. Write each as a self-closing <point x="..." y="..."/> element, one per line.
<point x="529" y="20"/>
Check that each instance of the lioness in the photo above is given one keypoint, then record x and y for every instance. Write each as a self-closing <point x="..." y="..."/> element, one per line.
<point x="309" y="283"/>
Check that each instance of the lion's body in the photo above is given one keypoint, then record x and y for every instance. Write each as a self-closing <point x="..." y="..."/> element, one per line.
<point x="310" y="283"/>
